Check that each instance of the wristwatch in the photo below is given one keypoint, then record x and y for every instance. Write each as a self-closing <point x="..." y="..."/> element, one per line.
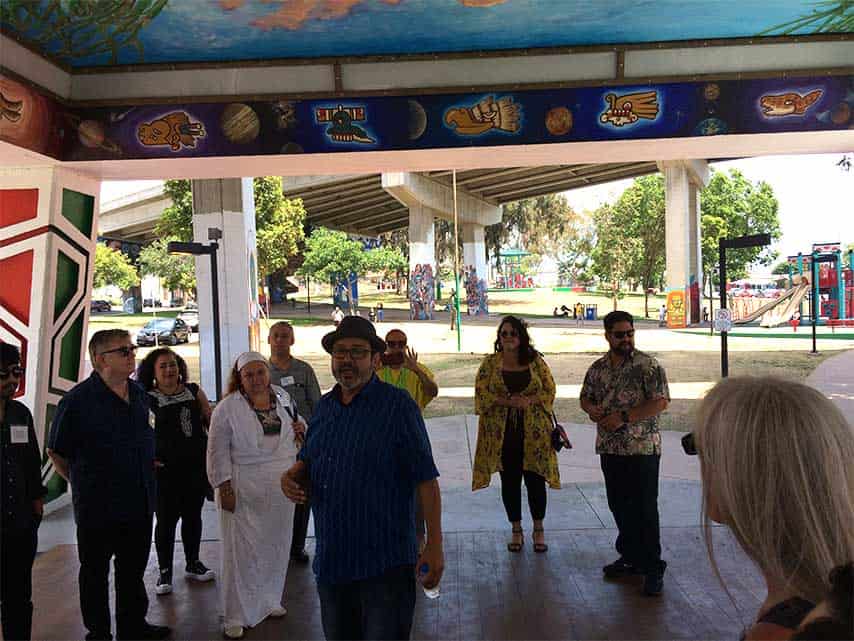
<point x="624" y="415"/>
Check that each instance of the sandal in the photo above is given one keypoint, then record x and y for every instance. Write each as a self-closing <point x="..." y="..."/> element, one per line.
<point x="516" y="546"/>
<point x="539" y="548"/>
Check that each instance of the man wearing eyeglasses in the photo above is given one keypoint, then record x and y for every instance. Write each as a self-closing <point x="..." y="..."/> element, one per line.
<point x="623" y="393"/>
<point x="366" y="453"/>
<point x="21" y="500"/>
<point x="299" y="380"/>
<point x="102" y="442"/>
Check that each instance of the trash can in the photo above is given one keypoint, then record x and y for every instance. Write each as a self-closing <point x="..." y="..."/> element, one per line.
<point x="590" y="312"/>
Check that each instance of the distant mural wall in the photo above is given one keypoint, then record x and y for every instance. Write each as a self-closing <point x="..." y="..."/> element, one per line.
<point x="476" y="292"/>
<point x="422" y="292"/>
<point x="672" y="110"/>
<point x="87" y="33"/>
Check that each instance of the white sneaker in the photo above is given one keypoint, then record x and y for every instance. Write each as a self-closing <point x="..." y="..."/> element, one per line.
<point x="164" y="582"/>
<point x="234" y="631"/>
<point x="198" y="571"/>
<point x="279" y="612"/>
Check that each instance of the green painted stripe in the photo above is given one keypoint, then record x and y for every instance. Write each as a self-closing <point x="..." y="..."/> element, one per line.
<point x="79" y="210"/>
<point x="70" y="348"/>
<point x="67" y="277"/>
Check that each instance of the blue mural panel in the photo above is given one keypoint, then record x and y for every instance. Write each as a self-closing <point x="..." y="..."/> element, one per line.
<point x="84" y="33"/>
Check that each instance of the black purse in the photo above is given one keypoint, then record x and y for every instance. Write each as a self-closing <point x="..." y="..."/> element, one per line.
<point x="559" y="436"/>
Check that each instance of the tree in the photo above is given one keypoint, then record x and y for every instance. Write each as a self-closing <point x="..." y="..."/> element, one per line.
<point x="614" y="252"/>
<point x="330" y="255"/>
<point x="176" y="271"/>
<point x="732" y="206"/>
<point x="574" y="258"/>
<point x="112" y="267"/>
<point x="388" y="260"/>
<point x="781" y="268"/>
<point x="278" y="222"/>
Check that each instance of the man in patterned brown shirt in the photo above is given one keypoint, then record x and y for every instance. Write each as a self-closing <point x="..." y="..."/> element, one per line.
<point x="623" y="393"/>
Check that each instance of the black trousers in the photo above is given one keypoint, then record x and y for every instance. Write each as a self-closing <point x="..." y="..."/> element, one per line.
<point x="512" y="455"/>
<point x="175" y="501"/>
<point x="631" y="483"/>
<point x="301" y="513"/>
<point x="17" y="553"/>
<point x="128" y="544"/>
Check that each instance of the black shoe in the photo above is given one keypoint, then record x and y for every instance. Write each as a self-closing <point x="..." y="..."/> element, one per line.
<point x="198" y="571"/>
<point x="164" y="582"/>
<point x="619" y="569"/>
<point x="653" y="582"/>
<point x="300" y="557"/>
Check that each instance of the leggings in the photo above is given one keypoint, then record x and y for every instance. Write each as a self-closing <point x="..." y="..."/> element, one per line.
<point x="175" y="502"/>
<point x="512" y="475"/>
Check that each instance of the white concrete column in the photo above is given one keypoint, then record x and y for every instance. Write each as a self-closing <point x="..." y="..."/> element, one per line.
<point x="227" y="205"/>
<point x="683" y="181"/>
<point x="474" y="248"/>
<point x="422" y="262"/>
<point x="48" y="226"/>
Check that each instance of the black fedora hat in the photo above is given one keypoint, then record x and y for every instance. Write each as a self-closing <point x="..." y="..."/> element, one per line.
<point x="354" y="327"/>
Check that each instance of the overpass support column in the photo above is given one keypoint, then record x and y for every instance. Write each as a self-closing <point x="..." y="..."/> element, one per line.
<point x="683" y="180"/>
<point x="48" y="218"/>
<point x="475" y="273"/>
<point x="227" y="205"/>
<point x="422" y="262"/>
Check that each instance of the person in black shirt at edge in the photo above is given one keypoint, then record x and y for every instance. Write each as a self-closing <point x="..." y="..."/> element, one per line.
<point x="102" y="441"/>
<point x="182" y="414"/>
<point x="21" y="501"/>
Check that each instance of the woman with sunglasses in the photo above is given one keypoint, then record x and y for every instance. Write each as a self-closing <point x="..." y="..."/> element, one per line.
<point x="514" y="395"/>
<point x="255" y="434"/>
<point x="182" y="414"/>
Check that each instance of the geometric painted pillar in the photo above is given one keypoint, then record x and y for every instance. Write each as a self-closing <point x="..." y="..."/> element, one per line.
<point x="48" y="227"/>
<point x="228" y="205"/>
<point x="683" y="180"/>
<point x="422" y="262"/>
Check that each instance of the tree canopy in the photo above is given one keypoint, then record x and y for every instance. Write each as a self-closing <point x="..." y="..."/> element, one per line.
<point x="176" y="271"/>
<point x="331" y="254"/>
<point x="112" y="267"/>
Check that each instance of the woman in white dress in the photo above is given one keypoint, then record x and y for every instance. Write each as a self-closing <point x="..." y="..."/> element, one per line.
<point x="255" y="433"/>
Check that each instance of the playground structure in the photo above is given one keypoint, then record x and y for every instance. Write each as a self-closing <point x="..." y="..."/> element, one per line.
<point x="512" y="275"/>
<point x="821" y="276"/>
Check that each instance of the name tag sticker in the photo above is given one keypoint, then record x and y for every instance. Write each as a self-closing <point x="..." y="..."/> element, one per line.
<point x="20" y="434"/>
<point x="287" y="380"/>
<point x="152" y="420"/>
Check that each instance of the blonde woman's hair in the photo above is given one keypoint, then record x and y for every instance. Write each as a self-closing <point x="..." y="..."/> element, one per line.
<point x="777" y="462"/>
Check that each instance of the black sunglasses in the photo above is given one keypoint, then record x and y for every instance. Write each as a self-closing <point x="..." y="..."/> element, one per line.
<point x="15" y="371"/>
<point x="621" y="335"/>
<point x="511" y="334"/>
<point x="396" y="344"/>
<point x="125" y="351"/>
<point x="689" y="445"/>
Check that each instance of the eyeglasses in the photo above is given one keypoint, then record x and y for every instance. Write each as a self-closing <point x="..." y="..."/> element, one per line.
<point x="125" y="351"/>
<point x="510" y="334"/>
<point x="15" y="371"/>
<point x="396" y="344"/>
<point x="621" y="335"/>
<point x="355" y="353"/>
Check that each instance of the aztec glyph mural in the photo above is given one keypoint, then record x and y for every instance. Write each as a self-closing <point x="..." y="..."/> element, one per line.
<point x="88" y="33"/>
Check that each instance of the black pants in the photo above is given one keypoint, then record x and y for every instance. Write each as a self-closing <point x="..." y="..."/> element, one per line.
<point x="631" y="483"/>
<point x="301" y="513"/>
<point x="17" y="553"/>
<point x="512" y="453"/>
<point x="176" y="501"/>
<point x="378" y="608"/>
<point x="129" y="545"/>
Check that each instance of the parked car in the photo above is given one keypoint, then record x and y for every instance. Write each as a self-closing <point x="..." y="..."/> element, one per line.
<point x="191" y="318"/>
<point x="152" y="302"/>
<point x="100" y="306"/>
<point x="191" y="304"/>
<point x="170" y="331"/>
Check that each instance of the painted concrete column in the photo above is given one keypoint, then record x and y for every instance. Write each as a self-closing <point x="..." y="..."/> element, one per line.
<point x="683" y="181"/>
<point x="48" y="218"/>
<point x="227" y="205"/>
<point x="475" y="268"/>
<point x="422" y="262"/>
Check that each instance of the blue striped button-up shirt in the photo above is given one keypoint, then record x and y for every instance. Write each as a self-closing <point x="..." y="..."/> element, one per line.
<point x="365" y="460"/>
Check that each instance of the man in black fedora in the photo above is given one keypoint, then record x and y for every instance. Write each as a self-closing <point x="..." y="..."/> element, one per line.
<point x="366" y="454"/>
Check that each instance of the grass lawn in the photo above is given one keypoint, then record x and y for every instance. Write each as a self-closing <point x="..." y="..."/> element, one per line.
<point x="459" y="370"/>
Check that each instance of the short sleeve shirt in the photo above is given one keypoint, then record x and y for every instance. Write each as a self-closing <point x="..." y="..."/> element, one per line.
<point x="408" y="380"/>
<point x="365" y="460"/>
<point x="300" y="381"/>
<point x="638" y="379"/>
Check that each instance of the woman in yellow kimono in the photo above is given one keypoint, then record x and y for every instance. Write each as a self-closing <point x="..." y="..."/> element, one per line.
<point x="514" y="395"/>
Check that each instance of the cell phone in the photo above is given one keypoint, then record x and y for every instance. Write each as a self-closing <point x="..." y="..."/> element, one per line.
<point x="392" y="358"/>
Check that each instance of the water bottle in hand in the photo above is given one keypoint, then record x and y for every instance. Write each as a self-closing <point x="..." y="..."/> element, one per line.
<point x="430" y="593"/>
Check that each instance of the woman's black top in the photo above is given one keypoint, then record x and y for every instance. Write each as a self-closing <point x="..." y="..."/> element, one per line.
<point x="516" y="383"/>
<point x="181" y="439"/>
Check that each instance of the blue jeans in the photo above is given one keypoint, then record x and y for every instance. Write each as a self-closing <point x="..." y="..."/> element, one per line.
<point x="377" y="608"/>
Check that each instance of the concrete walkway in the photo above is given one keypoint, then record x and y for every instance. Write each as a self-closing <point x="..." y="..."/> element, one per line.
<point x="835" y="377"/>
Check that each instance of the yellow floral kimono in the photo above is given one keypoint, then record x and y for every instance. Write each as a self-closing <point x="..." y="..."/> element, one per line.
<point x="538" y="456"/>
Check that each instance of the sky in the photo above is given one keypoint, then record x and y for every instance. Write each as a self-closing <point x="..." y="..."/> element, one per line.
<point x="816" y="197"/>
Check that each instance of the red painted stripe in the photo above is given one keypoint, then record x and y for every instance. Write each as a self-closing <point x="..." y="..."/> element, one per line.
<point x="16" y="285"/>
<point x="18" y="205"/>
<point x="38" y="231"/>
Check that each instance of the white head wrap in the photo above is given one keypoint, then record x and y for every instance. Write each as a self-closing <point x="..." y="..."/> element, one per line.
<point x="248" y="357"/>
